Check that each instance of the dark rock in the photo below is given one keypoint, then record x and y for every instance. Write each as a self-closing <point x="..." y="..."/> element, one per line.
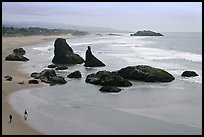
<point x="8" y="78"/>
<point x="52" y="66"/>
<point x="58" y="80"/>
<point x="91" y="60"/>
<point x="145" y="73"/>
<point x="33" y="81"/>
<point x="48" y="73"/>
<point x="75" y="74"/>
<point x="146" y="33"/>
<point x="35" y="75"/>
<point x="107" y="78"/>
<point x="19" y="51"/>
<point x="64" y="53"/>
<point x="17" y="55"/>
<point x="189" y="74"/>
<point x="49" y="76"/>
<point x="61" y="68"/>
<point x="14" y="57"/>
<point x="110" y="89"/>
<point x="45" y="79"/>
<point x="22" y="82"/>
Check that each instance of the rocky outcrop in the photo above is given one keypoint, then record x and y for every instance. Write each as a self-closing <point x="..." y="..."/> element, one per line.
<point x="189" y="74"/>
<point x="63" y="53"/>
<point x="91" y="60"/>
<point x="49" y="76"/>
<point x="107" y="78"/>
<point x="146" y="33"/>
<point x="75" y="74"/>
<point x="17" y="55"/>
<point x="145" y="73"/>
<point x="109" y="89"/>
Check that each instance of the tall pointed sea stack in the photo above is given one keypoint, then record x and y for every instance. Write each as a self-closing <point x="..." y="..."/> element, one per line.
<point x="91" y="60"/>
<point x="64" y="53"/>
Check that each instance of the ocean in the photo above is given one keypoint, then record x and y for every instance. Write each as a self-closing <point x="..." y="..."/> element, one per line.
<point x="144" y="108"/>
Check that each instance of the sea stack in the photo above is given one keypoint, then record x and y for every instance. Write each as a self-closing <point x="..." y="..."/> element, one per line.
<point x="146" y="33"/>
<point x="91" y="60"/>
<point x="64" y="54"/>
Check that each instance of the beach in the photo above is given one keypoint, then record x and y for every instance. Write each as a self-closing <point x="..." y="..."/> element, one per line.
<point x="79" y="108"/>
<point x="11" y="68"/>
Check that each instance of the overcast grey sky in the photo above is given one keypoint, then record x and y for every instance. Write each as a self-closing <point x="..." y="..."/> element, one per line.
<point x="132" y="16"/>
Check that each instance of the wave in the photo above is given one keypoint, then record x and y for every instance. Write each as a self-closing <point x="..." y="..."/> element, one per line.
<point x="159" y="54"/>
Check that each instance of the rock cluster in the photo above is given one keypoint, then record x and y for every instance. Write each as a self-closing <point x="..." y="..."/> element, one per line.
<point x="49" y="76"/>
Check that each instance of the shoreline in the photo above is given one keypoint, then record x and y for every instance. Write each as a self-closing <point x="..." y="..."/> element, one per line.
<point x="18" y="126"/>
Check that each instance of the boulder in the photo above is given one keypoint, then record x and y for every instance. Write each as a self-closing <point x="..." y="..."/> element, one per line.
<point x="110" y="89"/>
<point x="145" y="73"/>
<point x="52" y="66"/>
<point x="58" y="80"/>
<point x="35" y="75"/>
<point x="91" y="60"/>
<point x="63" y="53"/>
<point x="146" y="33"/>
<point x="107" y="78"/>
<point x="33" y="81"/>
<point x="189" y="74"/>
<point x="75" y="74"/>
<point x="17" y="55"/>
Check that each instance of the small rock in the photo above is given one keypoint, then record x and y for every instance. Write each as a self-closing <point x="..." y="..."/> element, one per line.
<point x="110" y="89"/>
<point x="33" y="81"/>
<point x="61" y="68"/>
<point x="8" y="78"/>
<point x="22" y="82"/>
<point x="52" y="66"/>
<point x="189" y="74"/>
<point x="75" y="74"/>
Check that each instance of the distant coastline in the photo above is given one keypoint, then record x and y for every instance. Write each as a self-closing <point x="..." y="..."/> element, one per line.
<point x="30" y="31"/>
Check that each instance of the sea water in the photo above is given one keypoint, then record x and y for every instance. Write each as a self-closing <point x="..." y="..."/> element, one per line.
<point x="144" y="108"/>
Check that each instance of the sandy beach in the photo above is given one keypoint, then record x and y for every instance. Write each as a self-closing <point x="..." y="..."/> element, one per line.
<point x="18" y="126"/>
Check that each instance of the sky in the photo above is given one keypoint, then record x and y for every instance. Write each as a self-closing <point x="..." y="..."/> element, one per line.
<point x="131" y="16"/>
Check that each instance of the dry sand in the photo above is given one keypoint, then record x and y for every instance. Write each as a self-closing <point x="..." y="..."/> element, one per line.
<point x="17" y="127"/>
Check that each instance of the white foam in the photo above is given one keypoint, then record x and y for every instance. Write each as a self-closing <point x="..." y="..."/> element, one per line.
<point x="159" y="54"/>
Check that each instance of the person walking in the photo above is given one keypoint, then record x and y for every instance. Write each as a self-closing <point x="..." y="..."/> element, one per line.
<point x="25" y="115"/>
<point x="10" y="118"/>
